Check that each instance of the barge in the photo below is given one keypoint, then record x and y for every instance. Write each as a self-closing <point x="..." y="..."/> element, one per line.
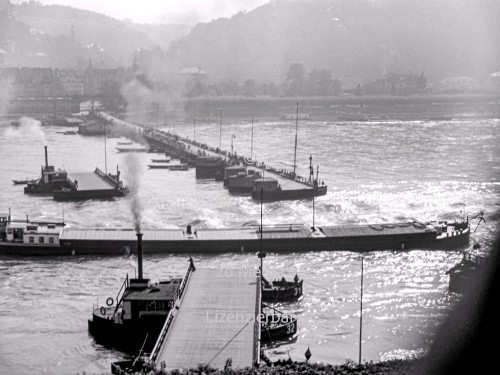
<point x="92" y="185"/>
<point x="278" y="238"/>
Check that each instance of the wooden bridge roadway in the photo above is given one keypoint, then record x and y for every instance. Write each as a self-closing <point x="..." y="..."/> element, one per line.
<point x="214" y="318"/>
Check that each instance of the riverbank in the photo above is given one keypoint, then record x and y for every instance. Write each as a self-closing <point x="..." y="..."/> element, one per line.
<point x="336" y="108"/>
<point x="393" y="367"/>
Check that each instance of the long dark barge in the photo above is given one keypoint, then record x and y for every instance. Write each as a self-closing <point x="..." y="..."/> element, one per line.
<point x="278" y="238"/>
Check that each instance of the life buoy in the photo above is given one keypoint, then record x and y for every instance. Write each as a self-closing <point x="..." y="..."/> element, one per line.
<point x="103" y="310"/>
<point x="109" y="301"/>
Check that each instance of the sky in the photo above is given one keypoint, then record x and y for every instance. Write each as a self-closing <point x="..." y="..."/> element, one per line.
<point x="162" y="11"/>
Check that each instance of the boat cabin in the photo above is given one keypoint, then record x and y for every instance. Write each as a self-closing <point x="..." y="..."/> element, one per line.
<point x="45" y="234"/>
<point x="141" y="298"/>
<point x="266" y="183"/>
<point x="4" y="219"/>
<point x="50" y="175"/>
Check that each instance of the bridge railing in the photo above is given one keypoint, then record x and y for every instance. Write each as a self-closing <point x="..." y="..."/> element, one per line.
<point x="168" y="322"/>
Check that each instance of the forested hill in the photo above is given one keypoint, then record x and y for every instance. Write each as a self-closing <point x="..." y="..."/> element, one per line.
<point x="353" y="38"/>
<point x="94" y="31"/>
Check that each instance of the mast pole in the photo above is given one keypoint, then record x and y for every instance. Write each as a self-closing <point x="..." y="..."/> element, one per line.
<point x="361" y="312"/>
<point x="313" y="214"/>
<point x="261" y="253"/>
<point x="251" y="142"/>
<point x="194" y="128"/>
<point x="105" y="148"/>
<point x="220" y="131"/>
<point x="296" y="131"/>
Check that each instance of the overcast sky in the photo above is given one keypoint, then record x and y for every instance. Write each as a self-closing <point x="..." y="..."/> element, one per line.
<point x="162" y="11"/>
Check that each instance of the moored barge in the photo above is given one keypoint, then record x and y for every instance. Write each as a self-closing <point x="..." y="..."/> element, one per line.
<point x="278" y="238"/>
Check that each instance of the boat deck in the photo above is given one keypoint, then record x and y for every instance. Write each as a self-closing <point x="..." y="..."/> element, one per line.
<point x="376" y="229"/>
<point x="215" y="321"/>
<point x="129" y="234"/>
<point x="90" y="181"/>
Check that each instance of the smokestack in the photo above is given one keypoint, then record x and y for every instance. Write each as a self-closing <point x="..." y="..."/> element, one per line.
<point x="46" y="157"/>
<point x="139" y="254"/>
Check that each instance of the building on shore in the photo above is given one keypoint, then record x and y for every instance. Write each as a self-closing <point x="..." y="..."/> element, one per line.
<point x="397" y="84"/>
<point x="43" y="106"/>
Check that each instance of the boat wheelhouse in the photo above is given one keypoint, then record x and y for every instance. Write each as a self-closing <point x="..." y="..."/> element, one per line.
<point x="50" y="180"/>
<point x="26" y="237"/>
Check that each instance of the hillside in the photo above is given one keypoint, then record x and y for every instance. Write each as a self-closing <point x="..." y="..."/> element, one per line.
<point x="353" y="38"/>
<point x="98" y="33"/>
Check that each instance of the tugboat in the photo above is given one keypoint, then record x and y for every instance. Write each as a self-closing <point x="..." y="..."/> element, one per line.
<point x="49" y="181"/>
<point x="138" y="313"/>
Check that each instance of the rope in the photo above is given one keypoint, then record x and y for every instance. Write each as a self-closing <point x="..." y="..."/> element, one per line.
<point x="225" y="346"/>
<point x="317" y="286"/>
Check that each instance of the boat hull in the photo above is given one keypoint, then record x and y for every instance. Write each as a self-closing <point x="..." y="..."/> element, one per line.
<point x="79" y="195"/>
<point x="126" y="337"/>
<point x="94" y="242"/>
<point x="288" y="292"/>
<point x="209" y="171"/>
<point x="292" y="194"/>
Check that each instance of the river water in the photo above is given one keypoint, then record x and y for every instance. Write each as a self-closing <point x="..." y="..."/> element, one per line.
<point x="375" y="172"/>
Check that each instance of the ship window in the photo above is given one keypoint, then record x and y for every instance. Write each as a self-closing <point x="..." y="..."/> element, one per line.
<point x="51" y="239"/>
<point x="41" y="239"/>
<point x="32" y="239"/>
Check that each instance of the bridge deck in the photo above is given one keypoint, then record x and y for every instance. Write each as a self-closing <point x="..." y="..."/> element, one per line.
<point x="215" y="321"/>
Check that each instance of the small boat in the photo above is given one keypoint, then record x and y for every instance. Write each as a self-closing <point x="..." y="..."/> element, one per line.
<point x="172" y="167"/>
<point x="166" y="160"/>
<point x="276" y="325"/>
<point x="124" y="143"/>
<point x="131" y="149"/>
<point x="25" y="182"/>
<point x="281" y="290"/>
<point x="462" y="273"/>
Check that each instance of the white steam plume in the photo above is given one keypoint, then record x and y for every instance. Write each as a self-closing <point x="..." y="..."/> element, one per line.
<point x="133" y="175"/>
